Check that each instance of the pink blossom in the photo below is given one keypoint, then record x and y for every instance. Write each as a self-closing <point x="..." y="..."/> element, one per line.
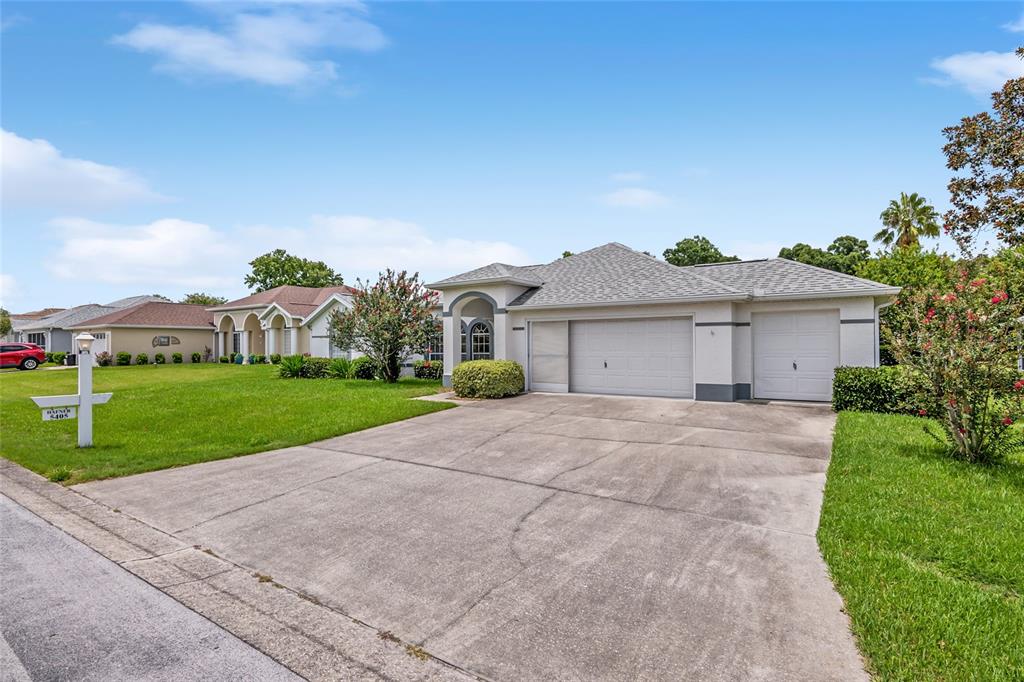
<point x="999" y="297"/>
<point x="1007" y="421"/>
<point x="922" y="412"/>
<point x="1018" y="385"/>
<point x="978" y="282"/>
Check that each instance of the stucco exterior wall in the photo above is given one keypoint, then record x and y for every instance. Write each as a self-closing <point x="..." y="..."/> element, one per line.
<point x="137" y="340"/>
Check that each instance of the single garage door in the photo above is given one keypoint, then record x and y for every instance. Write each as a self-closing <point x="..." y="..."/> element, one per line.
<point x="632" y="357"/>
<point x="795" y="354"/>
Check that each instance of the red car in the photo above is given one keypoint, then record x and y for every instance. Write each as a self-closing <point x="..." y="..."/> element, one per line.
<point x="21" y="355"/>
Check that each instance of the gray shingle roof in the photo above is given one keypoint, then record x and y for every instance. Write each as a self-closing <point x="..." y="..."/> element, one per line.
<point x="782" y="277"/>
<point x="70" y="317"/>
<point x="493" y="272"/>
<point x="614" y="273"/>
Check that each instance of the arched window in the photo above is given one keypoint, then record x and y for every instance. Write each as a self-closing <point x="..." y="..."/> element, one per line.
<point x="480" y="341"/>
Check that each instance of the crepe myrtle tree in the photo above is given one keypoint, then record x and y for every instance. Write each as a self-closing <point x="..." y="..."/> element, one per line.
<point x="964" y="341"/>
<point x="388" y="321"/>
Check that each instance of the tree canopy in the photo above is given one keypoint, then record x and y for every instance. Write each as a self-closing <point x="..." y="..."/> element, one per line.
<point x="986" y="153"/>
<point x="695" y="250"/>
<point x="200" y="298"/>
<point x="5" y="322"/>
<point x="906" y="220"/>
<point x="279" y="268"/>
<point x="844" y="254"/>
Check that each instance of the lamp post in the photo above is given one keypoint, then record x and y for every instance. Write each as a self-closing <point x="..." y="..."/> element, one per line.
<point x="84" y="341"/>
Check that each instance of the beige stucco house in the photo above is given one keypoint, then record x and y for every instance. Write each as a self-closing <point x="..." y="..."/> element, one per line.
<point x="287" y="320"/>
<point x="614" y="320"/>
<point x="152" y="327"/>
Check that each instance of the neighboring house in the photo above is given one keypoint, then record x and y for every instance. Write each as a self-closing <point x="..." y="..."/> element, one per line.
<point x="613" y="320"/>
<point x="287" y="320"/>
<point x="152" y="327"/>
<point x="20" y="320"/>
<point x="53" y="332"/>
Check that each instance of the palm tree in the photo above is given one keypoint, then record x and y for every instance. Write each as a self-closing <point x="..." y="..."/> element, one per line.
<point x="907" y="220"/>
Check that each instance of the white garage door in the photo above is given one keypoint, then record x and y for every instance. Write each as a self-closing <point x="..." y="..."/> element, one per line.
<point x="795" y="354"/>
<point x="632" y="357"/>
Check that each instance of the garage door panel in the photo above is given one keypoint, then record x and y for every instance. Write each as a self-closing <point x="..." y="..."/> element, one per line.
<point x="795" y="354"/>
<point x="632" y="357"/>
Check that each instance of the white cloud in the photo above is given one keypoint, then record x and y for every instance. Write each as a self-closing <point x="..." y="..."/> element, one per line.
<point x="9" y="289"/>
<point x="635" y="197"/>
<point x="363" y="246"/>
<point x="161" y="254"/>
<point x="632" y="176"/>
<point x="276" y="46"/>
<point x="1015" y="26"/>
<point x="34" y="173"/>
<point x="177" y="253"/>
<point x="980" y="73"/>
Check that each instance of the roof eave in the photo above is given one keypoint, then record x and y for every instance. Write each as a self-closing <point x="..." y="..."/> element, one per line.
<point x="116" y="325"/>
<point x="441" y="286"/>
<point x="888" y="291"/>
<point x="643" y="301"/>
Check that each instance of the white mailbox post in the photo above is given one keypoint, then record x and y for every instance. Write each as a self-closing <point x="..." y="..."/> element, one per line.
<point x="61" y="407"/>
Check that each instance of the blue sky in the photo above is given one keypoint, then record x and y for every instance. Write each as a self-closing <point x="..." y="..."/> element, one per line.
<point x="158" y="147"/>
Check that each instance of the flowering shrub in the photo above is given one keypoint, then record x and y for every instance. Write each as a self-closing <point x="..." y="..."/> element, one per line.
<point x="965" y="342"/>
<point x="388" y="321"/>
<point x="104" y="359"/>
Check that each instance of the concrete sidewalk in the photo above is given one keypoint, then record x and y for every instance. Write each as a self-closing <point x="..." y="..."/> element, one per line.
<point x="67" y="613"/>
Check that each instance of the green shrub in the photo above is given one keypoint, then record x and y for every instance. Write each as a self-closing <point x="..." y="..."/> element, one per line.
<point x="488" y="379"/>
<point x="60" y="473"/>
<point x="231" y="358"/>
<point x="224" y="359"/>
<point x="103" y="359"/>
<point x="888" y="390"/>
<point x="259" y="359"/>
<point x="124" y="358"/>
<point x="316" y="368"/>
<point x="340" y="368"/>
<point x="427" y="369"/>
<point x="49" y="356"/>
<point x="58" y="357"/>
<point x="177" y="358"/>
<point x="197" y="357"/>
<point x="275" y="358"/>
<point x="363" y="368"/>
<point x="239" y="359"/>
<point x="159" y="359"/>
<point x="142" y="359"/>
<point x="291" y="366"/>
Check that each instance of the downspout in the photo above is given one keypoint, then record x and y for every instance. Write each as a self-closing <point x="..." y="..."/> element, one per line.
<point x="878" y="331"/>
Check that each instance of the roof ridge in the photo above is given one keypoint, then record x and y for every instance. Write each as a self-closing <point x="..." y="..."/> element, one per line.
<point x="677" y="268"/>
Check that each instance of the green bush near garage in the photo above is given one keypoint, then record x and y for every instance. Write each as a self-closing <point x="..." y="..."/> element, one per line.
<point x="124" y="358"/>
<point x="141" y="359"/>
<point x="886" y="390"/>
<point x="159" y="359"/>
<point x="488" y="379"/>
<point x="177" y="358"/>
<point x="197" y="357"/>
<point x="57" y="357"/>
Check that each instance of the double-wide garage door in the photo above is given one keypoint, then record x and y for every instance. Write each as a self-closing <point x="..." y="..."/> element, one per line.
<point x="632" y="357"/>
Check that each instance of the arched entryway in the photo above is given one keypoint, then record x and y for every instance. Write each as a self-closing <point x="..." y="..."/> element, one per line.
<point x="472" y="316"/>
<point x="227" y="337"/>
<point x="280" y="338"/>
<point x="252" y="336"/>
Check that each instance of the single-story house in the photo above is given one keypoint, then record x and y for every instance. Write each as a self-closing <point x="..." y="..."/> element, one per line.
<point x="53" y="332"/>
<point x="614" y="320"/>
<point x="287" y="320"/>
<point x="20" y="320"/>
<point x="152" y="327"/>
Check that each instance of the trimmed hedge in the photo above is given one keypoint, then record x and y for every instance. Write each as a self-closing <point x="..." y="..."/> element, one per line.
<point x="427" y="369"/>
<point x="488" y="379"/>
<point x="363" y="368"/>
<point x="197" y="357"/>
<point x="58" y="357"/>
<point x="275" y="358"/>
<point x="124" y="358"/>
<point x="177" y="358"/>
<point x="142" y="359"/>
<point x="159" y="359"/>
<point x="887" y="390"/>
<point x="316" y="368"/>
<point x="224" y="359"/>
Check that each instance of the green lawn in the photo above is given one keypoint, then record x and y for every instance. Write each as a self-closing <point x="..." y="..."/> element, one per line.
<point x="168" y="415"/>
<point x="928" y="553"/>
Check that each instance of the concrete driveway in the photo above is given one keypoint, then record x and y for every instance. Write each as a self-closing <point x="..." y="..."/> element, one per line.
<point x="545" y="537"/>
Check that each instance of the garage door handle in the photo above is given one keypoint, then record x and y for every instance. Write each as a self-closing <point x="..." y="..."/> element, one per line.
<point x="794" y="365"/>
